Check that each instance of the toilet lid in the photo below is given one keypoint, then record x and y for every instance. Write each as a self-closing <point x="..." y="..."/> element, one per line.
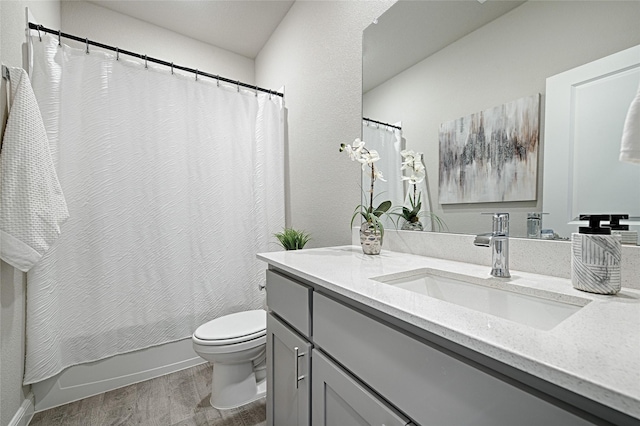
<point x="233" y="326"/>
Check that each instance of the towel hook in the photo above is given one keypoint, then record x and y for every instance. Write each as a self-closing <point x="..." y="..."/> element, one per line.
<point x="5" y="73"/>
<point x="59" y="43"/>
<point x="171" y="68"/>
<point x="86" y="40"/>
<point x="39" y="35"/>
<point x="117" y="53"/>
<point x="196" y="74"/>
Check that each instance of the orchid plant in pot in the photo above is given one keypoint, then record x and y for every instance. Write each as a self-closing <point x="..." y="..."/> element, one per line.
<point x="372" y="229"/>
<point x="412" y="162"/>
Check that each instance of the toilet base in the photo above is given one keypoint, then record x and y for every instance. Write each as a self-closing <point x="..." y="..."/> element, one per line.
<point x="235" y="385"/>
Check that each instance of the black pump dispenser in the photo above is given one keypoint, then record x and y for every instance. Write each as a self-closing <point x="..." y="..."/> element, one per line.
<point x="594" y="224"/>
<point x="614" y="223"/>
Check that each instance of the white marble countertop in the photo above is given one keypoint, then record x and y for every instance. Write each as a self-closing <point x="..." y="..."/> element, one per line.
<point x="594" y="353"/>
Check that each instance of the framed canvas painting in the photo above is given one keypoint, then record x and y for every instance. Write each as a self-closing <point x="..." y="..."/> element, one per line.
<point x="492" y="155"/>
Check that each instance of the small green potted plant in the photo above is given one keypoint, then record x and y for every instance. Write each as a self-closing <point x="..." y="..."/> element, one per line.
<point x="292" y="239"/>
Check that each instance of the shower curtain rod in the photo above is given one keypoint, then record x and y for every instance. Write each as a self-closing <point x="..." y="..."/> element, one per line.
<point x="380" y="122"/>
<point x="149" y="59"/>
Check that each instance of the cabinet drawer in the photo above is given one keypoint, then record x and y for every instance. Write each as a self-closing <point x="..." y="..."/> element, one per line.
<point x="290" y="300"/>
<point x="424" y="382"/>
<point x="339" y="399"/>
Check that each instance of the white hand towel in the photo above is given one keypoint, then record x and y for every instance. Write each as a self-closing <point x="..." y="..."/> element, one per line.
<point x="32" y="207"/>
<point x="630" y="147"/>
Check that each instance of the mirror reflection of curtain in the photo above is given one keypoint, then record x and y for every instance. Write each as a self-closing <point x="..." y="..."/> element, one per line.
<point x="388" y="142"/>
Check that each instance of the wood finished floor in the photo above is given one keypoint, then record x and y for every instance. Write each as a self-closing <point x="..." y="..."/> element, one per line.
<point x="178" y="399"/>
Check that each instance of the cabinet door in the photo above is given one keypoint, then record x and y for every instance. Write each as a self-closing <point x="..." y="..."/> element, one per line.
<point x="339" y="400"/>
<point x="288" y="376"/>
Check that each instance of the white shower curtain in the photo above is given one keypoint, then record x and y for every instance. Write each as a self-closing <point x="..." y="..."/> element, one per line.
<point x="388" y="142"/>
<point x="173" y="185"/>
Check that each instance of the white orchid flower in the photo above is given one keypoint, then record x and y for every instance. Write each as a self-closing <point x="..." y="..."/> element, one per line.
<point x="355" y="151"/>
<point x="368" y="158"/>
<point x="414" y="179"/>
<point x="358" y="145"/>
<point x="408" y="156"/>
<point x="377" y="174"/>
<point x="407" y="153"/>
<point x="413" y="162"/>
<point x="418" y="165"/>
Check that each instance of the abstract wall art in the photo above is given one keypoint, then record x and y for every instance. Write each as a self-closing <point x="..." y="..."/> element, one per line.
<point x="492" y="155"/>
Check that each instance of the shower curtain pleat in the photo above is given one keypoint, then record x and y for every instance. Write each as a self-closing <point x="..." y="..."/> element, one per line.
<point x="172" y="185"/>
<point x="388" y="142"/>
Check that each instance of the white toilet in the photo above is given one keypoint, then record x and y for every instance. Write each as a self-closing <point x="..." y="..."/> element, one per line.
<point x="236" y="346"/>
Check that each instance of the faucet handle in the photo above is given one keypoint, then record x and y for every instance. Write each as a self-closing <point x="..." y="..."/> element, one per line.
<point x="500" y="223"/>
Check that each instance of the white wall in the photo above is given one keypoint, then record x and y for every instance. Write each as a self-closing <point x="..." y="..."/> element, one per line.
<point x="316" y="53"/>
<point x="109" y="27"/>
<point x="505" y="60"/>
<point x="12" y="281"/>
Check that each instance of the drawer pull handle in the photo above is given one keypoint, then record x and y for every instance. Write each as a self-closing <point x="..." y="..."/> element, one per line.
<point x="297" y="355"/>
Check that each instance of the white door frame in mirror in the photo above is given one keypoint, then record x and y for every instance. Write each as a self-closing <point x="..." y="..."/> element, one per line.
<point x="585" y="110"/>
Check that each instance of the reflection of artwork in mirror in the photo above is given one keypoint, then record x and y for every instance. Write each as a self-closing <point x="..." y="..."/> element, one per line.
<point x="491" y="156"/>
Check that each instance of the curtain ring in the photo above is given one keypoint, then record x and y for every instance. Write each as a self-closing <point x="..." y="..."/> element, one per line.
<point x="171" y="68"/>
<point x="117" y="54"/>
<point x="39" y="35"/>
<point x="269" y="94"/>
<point x="196" y="74"/>
<point x="145" y="62"/>
<point x="256" y="89"/>
<point x="218" y="79"/>
<point x="238" y="85"/>
<point x="86" y="40"/>
<point x="59" y="43"/>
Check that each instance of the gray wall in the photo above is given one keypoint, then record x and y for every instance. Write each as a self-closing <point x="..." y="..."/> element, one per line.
<point x="507" y="59"/>
<point x="316" y="53"/>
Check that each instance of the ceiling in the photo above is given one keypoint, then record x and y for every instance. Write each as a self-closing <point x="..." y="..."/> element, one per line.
<point x="406" y="34"/>
<point x="411" y="31"/>
<point x="240" y="26"/>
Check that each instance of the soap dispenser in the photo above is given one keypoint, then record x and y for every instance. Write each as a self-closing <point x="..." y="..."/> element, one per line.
<point x="596" y="257"/>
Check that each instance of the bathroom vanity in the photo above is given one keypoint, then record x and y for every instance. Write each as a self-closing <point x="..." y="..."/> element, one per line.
<point x="400" y="339"/>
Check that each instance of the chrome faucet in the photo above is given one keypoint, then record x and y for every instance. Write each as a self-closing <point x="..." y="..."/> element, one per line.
<point x="498" y="240"/>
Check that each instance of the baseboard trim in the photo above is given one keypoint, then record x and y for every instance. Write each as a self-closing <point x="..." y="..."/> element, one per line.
<point x="82" y="381"/>
<point x="25" y="413"/>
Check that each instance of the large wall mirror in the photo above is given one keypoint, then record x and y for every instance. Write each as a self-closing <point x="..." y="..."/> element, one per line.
<point x="430" y="62"/>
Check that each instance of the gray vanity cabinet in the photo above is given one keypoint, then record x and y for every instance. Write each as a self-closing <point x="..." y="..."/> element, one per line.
<point x="288" y="375"/>
<point x="338" y="399"/>
<point x="329" y="363"/>
<point x="288" y="352"/>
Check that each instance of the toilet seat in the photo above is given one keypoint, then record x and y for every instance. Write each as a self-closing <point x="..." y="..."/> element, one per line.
<point x="232" y="329"/>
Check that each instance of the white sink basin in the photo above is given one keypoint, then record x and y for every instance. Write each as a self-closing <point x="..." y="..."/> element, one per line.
<point x="536" y="308"/>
